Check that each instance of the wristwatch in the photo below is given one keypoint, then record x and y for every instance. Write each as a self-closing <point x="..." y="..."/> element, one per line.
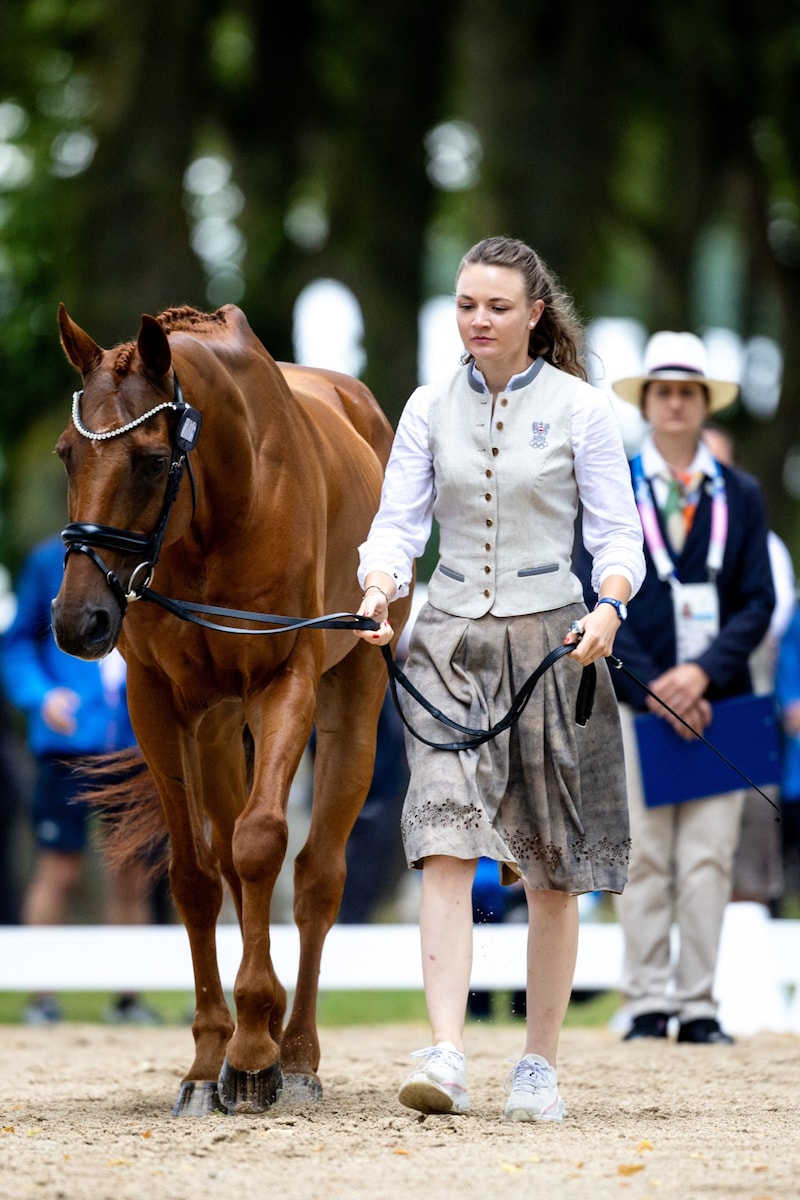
<point x="622" y="611"/>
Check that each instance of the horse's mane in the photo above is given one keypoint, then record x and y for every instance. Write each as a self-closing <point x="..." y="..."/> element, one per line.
<point x="174" y="320"/>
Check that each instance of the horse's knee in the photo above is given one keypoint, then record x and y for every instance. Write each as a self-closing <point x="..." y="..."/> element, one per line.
<point x="202" y="898"/>
<point x="259" y="846"/>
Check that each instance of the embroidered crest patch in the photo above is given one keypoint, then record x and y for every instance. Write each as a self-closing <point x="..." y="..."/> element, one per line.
<point x="540" y="430"/>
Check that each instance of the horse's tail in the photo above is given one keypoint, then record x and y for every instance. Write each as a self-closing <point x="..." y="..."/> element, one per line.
<point x="120" y="787"/>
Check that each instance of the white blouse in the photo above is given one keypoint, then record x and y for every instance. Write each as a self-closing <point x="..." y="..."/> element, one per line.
<point x="612" y="532"/>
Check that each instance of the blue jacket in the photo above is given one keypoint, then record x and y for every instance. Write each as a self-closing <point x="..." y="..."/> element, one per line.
<point x="787" y="691"/>
<point x="32" y="664"/>
<point x="646" y="642"/>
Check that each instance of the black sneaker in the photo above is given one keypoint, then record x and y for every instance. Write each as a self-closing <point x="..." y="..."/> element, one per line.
<point x="705" y="1030"/>
<point x="648" y="1025"/>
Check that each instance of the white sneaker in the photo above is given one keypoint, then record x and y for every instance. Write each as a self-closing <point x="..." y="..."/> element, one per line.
<point x="439" y="1085"/>
<point x="534" y="1092"/>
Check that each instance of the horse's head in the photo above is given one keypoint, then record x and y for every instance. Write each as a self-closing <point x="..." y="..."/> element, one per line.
<point x="121" y="451"/>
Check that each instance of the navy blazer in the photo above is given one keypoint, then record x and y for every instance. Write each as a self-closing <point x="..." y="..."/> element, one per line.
<point x="646" y="641"/>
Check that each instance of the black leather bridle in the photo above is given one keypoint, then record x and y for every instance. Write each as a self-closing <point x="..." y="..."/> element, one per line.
<point x="84" y="537"/>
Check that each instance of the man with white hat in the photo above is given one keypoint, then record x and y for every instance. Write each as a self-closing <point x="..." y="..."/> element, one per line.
<point x="703" y="608"/>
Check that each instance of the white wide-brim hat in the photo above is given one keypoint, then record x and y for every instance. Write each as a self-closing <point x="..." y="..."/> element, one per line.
<point x="671" y="355"/>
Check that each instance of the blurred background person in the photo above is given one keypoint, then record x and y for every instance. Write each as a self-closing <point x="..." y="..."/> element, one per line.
<point x="12" y="790"/>
<point x="704" y="607"/>
<point x="758" y="862"/>
<point x="73" y="709"/>
<point x="787" y="695"/>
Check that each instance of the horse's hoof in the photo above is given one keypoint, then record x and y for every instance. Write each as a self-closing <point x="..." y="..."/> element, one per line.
<point x="197" y="1100"/>
<point x="249" y="1091"/>
<point x="299" y="1089"/>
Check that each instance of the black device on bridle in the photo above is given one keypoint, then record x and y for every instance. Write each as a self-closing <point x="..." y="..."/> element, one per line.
<point x="82" y="537"/>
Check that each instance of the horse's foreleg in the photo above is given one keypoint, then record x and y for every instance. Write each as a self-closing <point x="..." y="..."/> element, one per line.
<point x="343" y="769"/>
<point x="196" y="888"/>
<point x="212" y="1025"/>
<point x="251" y="1076"/>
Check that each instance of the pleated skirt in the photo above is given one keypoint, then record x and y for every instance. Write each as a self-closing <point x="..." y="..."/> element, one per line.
<point x="546" y="799"/>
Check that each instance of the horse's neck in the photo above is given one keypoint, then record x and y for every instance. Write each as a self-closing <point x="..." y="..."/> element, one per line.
<point x="250" y="427"/>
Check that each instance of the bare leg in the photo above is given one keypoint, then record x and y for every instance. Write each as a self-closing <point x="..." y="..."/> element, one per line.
<point x="552" y="953"/>
<point x="46" y="900"/>
<point x="55" y="879"/>
<point x="128" y="896"/>
<point x="446" y="934"/>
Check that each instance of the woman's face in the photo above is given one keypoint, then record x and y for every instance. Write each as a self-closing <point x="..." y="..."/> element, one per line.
<point x="495" y="317"/>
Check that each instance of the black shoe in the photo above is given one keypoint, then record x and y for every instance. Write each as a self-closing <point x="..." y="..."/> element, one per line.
<point x="704" y="1030"/>
<point x="648" y="1025"/>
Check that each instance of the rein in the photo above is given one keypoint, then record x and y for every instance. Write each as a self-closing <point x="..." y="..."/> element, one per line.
<point x="185" y="611"/>
<point x="82" y="537"/>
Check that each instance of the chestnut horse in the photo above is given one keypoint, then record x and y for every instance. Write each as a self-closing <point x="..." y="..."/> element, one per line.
<point x="264" y="515"/>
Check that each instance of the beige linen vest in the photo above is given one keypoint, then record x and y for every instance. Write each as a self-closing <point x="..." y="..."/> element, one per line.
<point x="506" y="496"/>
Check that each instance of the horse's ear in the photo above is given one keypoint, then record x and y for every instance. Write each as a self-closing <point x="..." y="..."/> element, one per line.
<point x="79" y="348"/>
<point x="153" y="347"/>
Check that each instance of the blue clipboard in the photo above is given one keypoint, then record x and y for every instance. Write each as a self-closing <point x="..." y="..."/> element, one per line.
<point x="744" y="729"/>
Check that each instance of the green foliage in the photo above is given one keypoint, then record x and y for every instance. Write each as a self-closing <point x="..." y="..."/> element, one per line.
<point x="335" y="1009"/>
<point x="650" y="181"/>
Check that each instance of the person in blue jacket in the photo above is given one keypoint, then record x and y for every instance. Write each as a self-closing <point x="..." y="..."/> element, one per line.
<point x="703" y="608"/>
<point x="73" y="708"/>
<point x="787" y="696"/>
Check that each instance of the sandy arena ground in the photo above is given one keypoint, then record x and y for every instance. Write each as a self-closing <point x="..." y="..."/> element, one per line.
<point x="85" y="1115"/>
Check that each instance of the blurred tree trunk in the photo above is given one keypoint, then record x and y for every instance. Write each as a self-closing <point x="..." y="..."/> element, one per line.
<point x="129" y="234"/>
<point x="540" y="85"/>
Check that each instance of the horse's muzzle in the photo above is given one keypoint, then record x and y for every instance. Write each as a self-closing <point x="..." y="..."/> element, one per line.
<point x="89" y="631"/>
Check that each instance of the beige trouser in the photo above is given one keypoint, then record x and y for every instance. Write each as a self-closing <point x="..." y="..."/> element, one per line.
<point x="680" y="870"/>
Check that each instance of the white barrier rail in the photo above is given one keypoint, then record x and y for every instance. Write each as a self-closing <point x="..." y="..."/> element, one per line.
<point x="758" y="977"/>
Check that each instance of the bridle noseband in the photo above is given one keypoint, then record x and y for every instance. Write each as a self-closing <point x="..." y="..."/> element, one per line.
<point x="82" y="537"/>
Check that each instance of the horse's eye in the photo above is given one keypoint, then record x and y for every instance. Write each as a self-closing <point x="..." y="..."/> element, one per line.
<point x="153" y="466"/>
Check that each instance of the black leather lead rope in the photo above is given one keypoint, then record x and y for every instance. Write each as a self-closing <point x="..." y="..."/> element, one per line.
<point x="472" y="737"/>
<point x="187" y="611"/>
<point x="477" y="737"/>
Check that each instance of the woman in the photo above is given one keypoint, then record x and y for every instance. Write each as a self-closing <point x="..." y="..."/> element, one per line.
<point x="500" y="453"/>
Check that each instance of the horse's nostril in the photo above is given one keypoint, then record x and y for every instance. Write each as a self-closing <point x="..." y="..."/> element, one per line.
<point x="98" y="628"/>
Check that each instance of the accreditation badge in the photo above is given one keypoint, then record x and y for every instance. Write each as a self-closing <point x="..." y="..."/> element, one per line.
<point x="696" y="608"/>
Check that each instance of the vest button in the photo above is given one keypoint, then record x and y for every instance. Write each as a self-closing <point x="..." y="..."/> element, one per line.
<point x="486" y="592"/>
<point x="487" y="570"/>
<point x="489" y="522"/>
<point x="488" y="472"/>
<point x="499" y="425"/>
<point x="504" y="401"/>
<point x="488" y="546"/>
<point x="488" y="496"/>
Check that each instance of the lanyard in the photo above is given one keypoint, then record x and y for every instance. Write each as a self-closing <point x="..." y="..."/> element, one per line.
<point x="652" y="530"/>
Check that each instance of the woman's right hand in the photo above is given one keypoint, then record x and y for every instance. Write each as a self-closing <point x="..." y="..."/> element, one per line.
<point x="374" y="604"/>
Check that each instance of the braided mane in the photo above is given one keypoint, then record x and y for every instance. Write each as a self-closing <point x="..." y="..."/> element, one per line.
<point x="173" y="320"/>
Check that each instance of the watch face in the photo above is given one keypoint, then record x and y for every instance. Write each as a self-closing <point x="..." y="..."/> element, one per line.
<point x="621" y="609"/>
